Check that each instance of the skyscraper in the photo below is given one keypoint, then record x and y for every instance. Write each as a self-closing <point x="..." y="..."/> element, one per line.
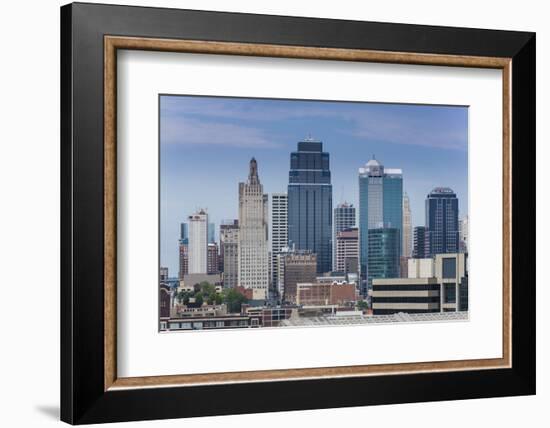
<point x="383" y="253"/>
<point x="279" y="231"/>
<point x="198" y="225"/>
<point x="380" y="206"/>
<point x="406" y="245"/>
<point x="184" y="231"/>
<point x="310" y="202"/>
<point x="253" y="251"/>
<point x="229" y="253"/>
<point x="442" y="220"/>
<point x="344" y="218"/>
<point x="421" y="244"/>
<point x="211" y="232"/>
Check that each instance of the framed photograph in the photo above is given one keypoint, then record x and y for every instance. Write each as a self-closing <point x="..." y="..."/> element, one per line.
<point x="276" y="213"/>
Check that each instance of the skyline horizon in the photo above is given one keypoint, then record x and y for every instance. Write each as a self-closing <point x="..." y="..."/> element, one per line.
<point x="210" y="157"/>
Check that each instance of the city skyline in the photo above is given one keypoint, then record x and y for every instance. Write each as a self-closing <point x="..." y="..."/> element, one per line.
<point x="233" y="130"/>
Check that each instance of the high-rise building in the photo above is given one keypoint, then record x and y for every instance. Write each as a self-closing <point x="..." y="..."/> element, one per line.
<point x="380" y="206"/>
<point x="406" y="245"/>
<point x="253" y="251"/>
<point x="198" y="240"/>
<point x="421" y="244"/>
<point x="383" y="254"/>
<point x="211" y="232"/>
<point x="184" y="231"/>
<point x="347" y="251"/>
<point x="183" y="257"/>
<point x="212" y="258"/>
<point x="344" y="218"/>
<point x="229" y="253"/>
<point x="295" y="266"/>
<point x="279" y="232"/>
<point x="310" y="202"/>
<point x="463" y="234"/>
<point x="442" y="220"/>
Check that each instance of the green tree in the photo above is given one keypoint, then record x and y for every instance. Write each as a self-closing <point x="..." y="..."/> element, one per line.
<point x="362" y="305"/>
<point x="199" y="300"/>
<point x="233" y="299"/>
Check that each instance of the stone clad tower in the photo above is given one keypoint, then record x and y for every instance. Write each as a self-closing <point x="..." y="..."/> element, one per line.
<point x="253" y="248"/>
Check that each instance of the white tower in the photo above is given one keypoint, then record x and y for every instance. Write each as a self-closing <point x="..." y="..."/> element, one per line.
<point x="198" y="242"/>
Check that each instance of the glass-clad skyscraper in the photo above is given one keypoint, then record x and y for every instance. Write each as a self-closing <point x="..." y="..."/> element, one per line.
<point x="442" y="220"/>
<point x="383" y="253"/>
<point x="380" y="206"/>
<point x="310" y="202"/>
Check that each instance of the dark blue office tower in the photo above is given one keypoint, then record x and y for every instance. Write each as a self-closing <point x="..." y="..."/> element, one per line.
<point x="310" y="202"/>
<point x="442" y="220"/>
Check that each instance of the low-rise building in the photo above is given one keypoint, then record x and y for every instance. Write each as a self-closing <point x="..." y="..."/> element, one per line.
<point x="324" y="294"/>
<point x="438" y="284"/>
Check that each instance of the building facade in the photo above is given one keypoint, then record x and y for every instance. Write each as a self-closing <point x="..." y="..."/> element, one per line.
<point x="253" y="250"/>
<point x="383" y="254"/>
<point x="296" y="267"/>
<point x="183" y="258"/>
<point x="310" y="202"/>
<point x="325" y="294"/>
<point x="407" y="227"/>
<point x="463" y="228"/>
<point x="347" y="251"/>
<point x="438" y="284"/>
<point x="380" y="206"/>
<point x="279" y="232"/>
<point x="211" y="232"/>
<point x="229" y="253"/>
<point x="442" y="220"/>
<point x="198" y="242"/>
<point x="212" y="258"/>
<point x="344" y="218"/>
<point x="421" y="243"/>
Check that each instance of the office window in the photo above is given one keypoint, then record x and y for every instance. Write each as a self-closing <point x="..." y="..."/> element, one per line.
<point x="449" y="267"/>
<point x="450" y="293"/>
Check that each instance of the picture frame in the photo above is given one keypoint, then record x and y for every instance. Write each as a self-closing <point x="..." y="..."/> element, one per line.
<point x="91" y="35"/>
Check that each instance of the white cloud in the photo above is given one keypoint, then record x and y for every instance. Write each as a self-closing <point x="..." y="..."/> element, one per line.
<point x="193" y="132"/>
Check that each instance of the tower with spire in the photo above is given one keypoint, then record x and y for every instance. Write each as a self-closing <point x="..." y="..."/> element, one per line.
<point x="253" y="261"/>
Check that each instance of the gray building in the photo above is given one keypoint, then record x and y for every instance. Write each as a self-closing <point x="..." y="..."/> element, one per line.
<point x="310" y="202"/>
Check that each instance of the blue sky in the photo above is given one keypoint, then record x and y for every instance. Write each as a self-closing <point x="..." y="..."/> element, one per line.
<point x="207" y="142"/>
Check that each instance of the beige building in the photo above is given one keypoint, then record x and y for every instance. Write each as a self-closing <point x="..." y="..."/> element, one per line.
<point x="434" y="285"/>
<point x="253" y="250"/>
